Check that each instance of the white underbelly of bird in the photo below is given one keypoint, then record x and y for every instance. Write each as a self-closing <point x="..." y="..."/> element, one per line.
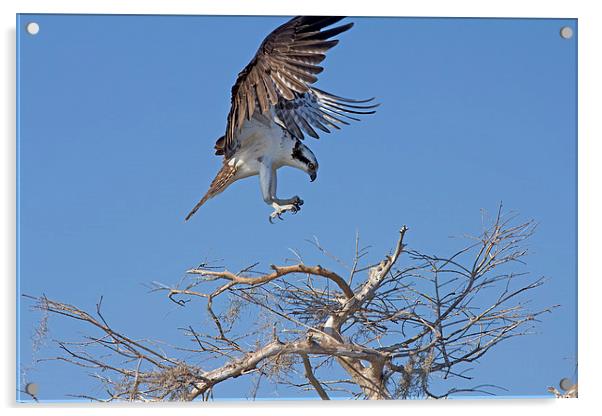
<point x="262" y="141"/>
<point x="264" y="147"/>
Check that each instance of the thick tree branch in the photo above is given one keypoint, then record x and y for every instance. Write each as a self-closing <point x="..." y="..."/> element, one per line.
<point x="279" y="271"/>
<point x="309" y="374"/>
<point x="315" y="343"/>
<point x="376" y="276"/>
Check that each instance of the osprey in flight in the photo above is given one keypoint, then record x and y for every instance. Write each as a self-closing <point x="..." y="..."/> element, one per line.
<point x="274" y="104"/>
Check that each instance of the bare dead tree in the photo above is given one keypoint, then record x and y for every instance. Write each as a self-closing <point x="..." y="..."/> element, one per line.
<point x="378" y="331"/>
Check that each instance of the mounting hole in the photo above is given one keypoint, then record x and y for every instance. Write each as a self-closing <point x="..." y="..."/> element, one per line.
<point x="31" y="389"/>
<point x="566" y="384"/>
<point x="566" y="32"/>
<point x="32" y="28"/>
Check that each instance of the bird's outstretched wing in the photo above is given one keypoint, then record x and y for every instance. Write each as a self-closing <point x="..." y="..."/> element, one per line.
<point x="319" y="109"/>
<point x="282" y="70"/>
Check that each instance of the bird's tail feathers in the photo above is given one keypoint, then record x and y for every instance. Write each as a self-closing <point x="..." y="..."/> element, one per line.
<point x="199" y="204"/>
<point x="221" y="181"/>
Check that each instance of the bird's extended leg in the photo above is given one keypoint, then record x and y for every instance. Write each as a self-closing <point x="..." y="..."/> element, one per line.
<point x="295" y="201"/>
<point x="268" y="182"/>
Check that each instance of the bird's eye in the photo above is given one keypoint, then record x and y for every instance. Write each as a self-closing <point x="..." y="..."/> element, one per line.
<point x="311" y="166"/>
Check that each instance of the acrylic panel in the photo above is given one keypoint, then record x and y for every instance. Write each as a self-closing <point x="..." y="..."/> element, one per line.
<point x="424" y="247"/>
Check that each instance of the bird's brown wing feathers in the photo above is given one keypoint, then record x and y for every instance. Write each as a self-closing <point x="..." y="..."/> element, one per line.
<point x="222" y="180"/>
<point x="285" y="65"/>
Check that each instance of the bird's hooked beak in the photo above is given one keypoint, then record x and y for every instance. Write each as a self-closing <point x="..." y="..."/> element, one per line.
<point x="312" y="176"/>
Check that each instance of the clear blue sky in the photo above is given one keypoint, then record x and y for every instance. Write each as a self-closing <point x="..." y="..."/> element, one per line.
<point x="117" y="120"/>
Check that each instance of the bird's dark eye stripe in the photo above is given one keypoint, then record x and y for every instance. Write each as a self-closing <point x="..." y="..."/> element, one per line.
<point x="298" y="154"/>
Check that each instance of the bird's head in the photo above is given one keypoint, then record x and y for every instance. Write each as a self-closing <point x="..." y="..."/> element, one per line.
<point x="303" y="158"/>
